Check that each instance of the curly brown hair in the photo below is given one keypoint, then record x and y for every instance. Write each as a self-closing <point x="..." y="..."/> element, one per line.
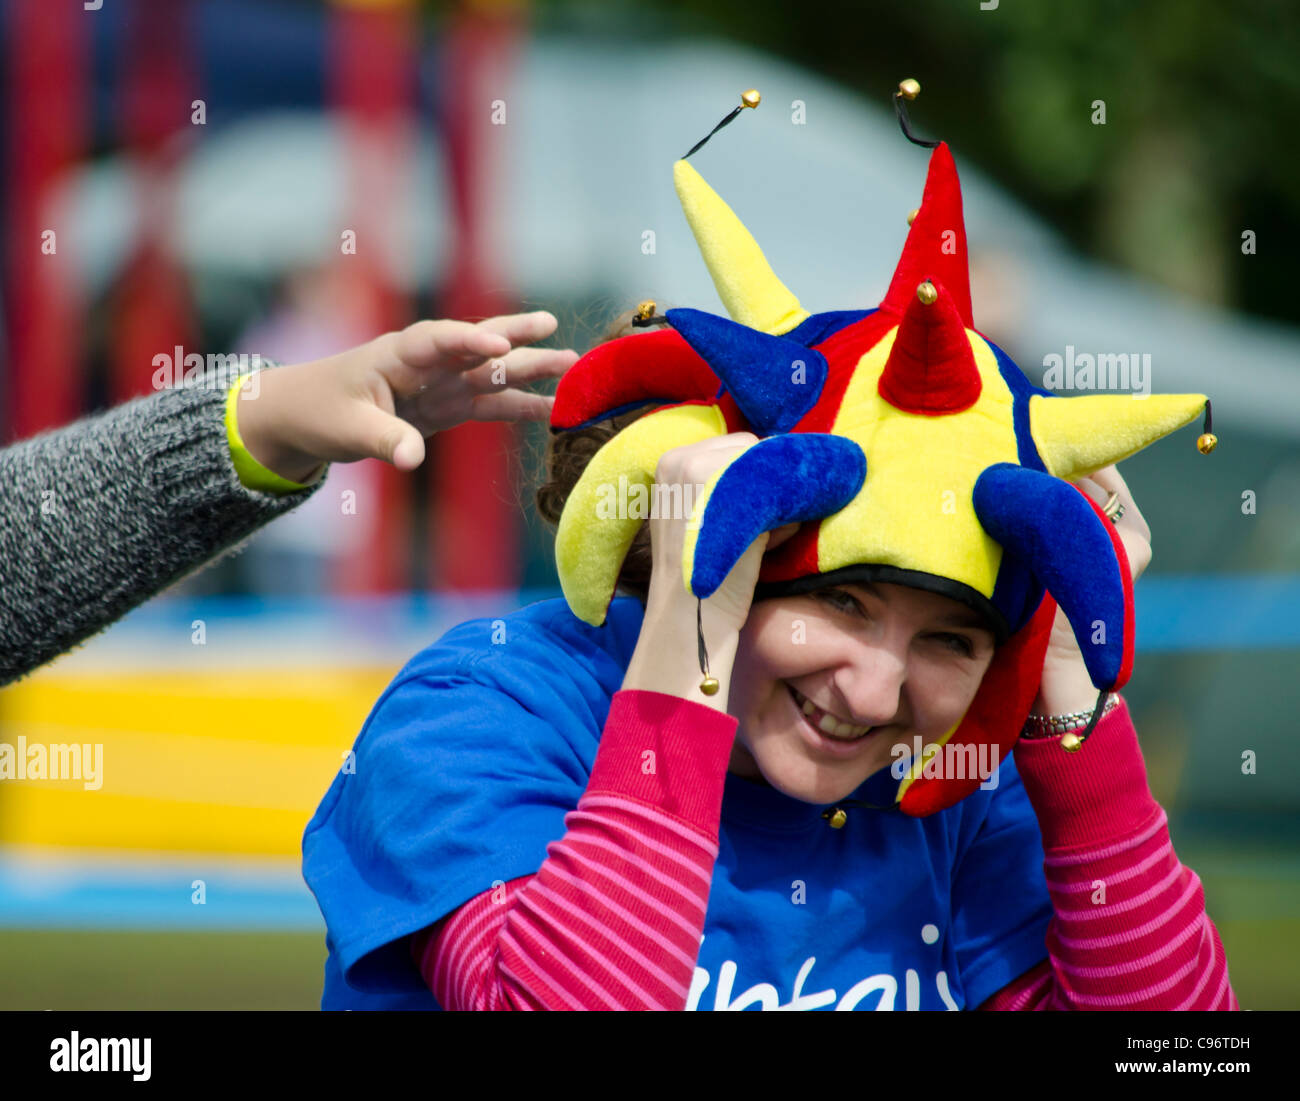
<point x="566" y="457"/>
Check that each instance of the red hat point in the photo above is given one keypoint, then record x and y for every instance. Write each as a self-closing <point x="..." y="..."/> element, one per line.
<point x="936" y="243"/>
<point x="931" y="367"/>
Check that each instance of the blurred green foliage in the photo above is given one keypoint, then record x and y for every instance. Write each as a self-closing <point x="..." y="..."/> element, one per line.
<point x="1202" y="98"/>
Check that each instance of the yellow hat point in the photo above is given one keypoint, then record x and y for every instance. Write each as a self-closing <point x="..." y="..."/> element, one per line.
<point x="750" y="98"/>
<point x="1206" y="442"/>
<point x="1076" y="436"/>
<point x="911" y="216"/>
<point x="927" y="294"/>
<point x="745" y="281"/>
<point x="909" y="88"/>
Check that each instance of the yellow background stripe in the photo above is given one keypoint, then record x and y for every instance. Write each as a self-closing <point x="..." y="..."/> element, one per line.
<point x="222" y="761"/>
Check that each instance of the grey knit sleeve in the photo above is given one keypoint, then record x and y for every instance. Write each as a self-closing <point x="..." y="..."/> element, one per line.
<point x="97" y="517"/>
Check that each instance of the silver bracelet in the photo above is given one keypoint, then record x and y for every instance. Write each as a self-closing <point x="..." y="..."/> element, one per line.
<point x="1050" y="726"/>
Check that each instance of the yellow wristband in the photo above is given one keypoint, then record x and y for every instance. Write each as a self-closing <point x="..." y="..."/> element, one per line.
<point x="252" y="474"/>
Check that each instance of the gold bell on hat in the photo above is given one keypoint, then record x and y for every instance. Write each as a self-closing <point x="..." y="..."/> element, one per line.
<point x="1070" y="742"/>
<point x="837" y="818"/>
<point x="1207" y="441"/>
<point x="927" y="294"/>
<point x="709" y="686"/>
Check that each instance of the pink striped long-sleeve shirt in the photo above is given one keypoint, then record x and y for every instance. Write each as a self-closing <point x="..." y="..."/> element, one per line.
<point x="613" y="918"/>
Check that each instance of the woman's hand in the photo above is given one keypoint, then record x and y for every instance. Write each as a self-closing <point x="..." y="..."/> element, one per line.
<point x="1065" y="686"/>
<point x="382" y="399"/>
<point x="666" y="658"/>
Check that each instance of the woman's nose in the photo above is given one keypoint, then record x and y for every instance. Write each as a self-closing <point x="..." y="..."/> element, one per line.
<point x="872" y="684"/>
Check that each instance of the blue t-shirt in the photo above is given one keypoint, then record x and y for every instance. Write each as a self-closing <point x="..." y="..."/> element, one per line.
<point x="466" y="767"/>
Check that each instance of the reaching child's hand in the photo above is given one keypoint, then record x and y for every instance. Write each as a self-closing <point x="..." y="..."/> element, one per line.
<point x="382" y="399"/>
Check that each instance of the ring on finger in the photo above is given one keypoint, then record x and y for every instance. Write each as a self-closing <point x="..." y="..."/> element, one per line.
<point x="1113" y="508"/>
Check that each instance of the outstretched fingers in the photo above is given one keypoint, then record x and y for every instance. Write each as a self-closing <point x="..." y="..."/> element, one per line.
<point x="465" y="344"/>
<point x="521" y="328"/>
<point x="521" y="367"/>
<point x="472" y="351"/>
<point x="454" y="344"/>
<point x="512" y="405"/>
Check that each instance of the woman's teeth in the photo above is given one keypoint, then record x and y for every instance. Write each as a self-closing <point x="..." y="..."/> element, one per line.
<point x="827" y="723"/>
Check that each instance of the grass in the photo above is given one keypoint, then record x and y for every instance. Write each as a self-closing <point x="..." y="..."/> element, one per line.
<point x="101" y="969"/>
<point x="1252" y="894"/>
<point x="166" y="970"/>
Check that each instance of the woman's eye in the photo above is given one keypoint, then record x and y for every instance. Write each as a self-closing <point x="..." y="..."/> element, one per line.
<point x="842" y="601"/>
<point x="959" y="644"/>
<point x="838" y="598"/>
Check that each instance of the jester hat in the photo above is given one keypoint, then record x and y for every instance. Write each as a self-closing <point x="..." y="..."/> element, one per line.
<point x="909" y="449"/>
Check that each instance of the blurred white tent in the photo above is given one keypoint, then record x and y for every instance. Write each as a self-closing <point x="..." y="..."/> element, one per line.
<point x="821" y="176"/>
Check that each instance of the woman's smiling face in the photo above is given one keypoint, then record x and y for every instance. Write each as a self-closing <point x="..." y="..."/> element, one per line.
<point x="900" y="661"/>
